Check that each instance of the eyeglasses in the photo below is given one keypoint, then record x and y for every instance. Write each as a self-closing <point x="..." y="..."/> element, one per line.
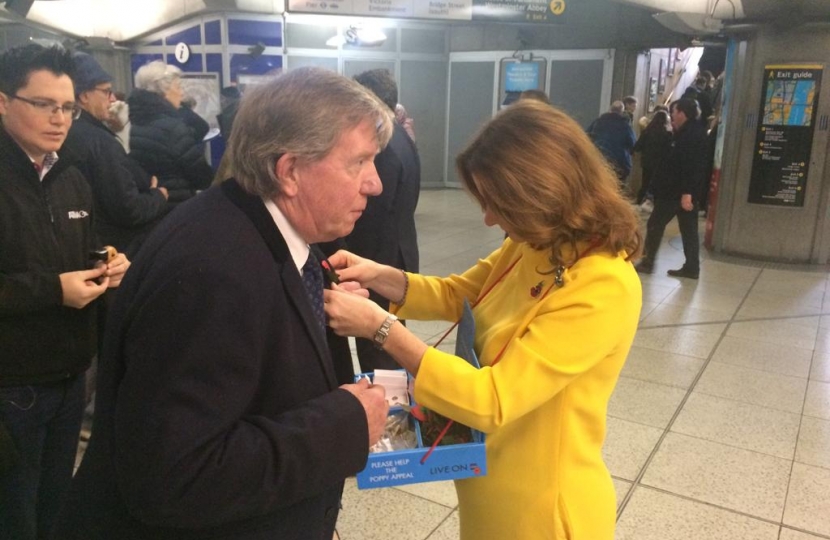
<point x="107" y="91"/>
<point x="50" y="108"/>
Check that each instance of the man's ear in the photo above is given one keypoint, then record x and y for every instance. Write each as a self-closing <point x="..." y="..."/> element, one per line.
<point x="286" y="171"/>
<point x="4" y="103"/>
<point x="83" y="99"/>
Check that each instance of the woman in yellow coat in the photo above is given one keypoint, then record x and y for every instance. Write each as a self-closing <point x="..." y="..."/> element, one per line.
<point x="556" y="309"/>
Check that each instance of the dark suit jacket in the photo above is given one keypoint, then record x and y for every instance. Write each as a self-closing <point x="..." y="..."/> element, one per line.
<point x="684" y="169"/>
<point x="218" y="413"/>
<point x="386" y="232"/>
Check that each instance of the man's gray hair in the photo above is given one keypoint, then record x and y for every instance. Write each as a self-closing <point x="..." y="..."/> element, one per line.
<point x="156" y="77"/>
<point x="303" y="111"/>
<point x="617" y="107"/>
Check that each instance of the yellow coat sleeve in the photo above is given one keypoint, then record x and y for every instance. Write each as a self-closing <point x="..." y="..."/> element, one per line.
<point x="433" y="298"/>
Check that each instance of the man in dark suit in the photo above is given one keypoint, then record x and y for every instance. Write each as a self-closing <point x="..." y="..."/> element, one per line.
<point x="676" y="186"/>
<point x="218" y="414"/>
<point x="386" y="231"/>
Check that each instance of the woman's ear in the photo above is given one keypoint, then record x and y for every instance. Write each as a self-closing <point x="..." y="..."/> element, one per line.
<point x="286" y="170"/>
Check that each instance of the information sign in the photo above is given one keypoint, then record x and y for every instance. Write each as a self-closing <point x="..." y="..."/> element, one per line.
<point x="784" y="139"/>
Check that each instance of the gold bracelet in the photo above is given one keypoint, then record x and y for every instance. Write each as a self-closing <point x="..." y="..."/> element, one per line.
<point x="402" y="301"/>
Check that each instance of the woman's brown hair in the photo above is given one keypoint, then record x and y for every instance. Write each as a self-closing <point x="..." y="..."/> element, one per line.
<point x="535" y="168"/>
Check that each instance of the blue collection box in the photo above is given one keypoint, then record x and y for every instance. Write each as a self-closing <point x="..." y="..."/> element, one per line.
<point x="450" y="462"/>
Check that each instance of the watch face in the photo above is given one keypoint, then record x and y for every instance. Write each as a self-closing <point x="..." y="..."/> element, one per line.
<point x="383" y="332"/>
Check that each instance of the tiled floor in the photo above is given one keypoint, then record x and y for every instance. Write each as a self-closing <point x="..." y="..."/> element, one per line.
<point x="720" y="425"/>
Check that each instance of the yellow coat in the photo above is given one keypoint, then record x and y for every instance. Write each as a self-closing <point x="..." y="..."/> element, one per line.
<point x="543" y="406"/>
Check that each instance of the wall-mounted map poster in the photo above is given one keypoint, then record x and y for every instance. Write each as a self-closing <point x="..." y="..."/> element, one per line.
<point x="784" y="139"/>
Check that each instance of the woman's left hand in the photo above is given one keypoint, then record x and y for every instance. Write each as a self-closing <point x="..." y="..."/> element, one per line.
<point x="351" y="313"/>
<point x="353" y="287"/>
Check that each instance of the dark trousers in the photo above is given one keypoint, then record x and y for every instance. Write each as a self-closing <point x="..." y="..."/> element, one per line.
<point x="664" y="211"/>
<point x="44" y="422"/>
<point x="643" y="192"/>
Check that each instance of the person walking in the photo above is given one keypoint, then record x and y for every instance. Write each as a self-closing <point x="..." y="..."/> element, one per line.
<point x="676" y="188"/>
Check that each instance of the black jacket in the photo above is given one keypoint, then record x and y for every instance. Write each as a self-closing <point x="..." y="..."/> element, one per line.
<point x="125" y="206"/>
<point x="655" y="144"/>
<point x="684" y="170"/>
<point x="45" y="230"/>
<point x="195" y="122"/>
<point x="163" y="144"/>
<point x="386" y="232"/>
<point x="218" y="413"/>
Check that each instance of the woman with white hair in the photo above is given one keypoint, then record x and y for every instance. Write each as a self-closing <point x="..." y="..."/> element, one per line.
<point x="160" y="140"/>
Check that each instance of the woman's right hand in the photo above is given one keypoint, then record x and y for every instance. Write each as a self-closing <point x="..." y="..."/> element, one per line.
<point x="351" y="314"/>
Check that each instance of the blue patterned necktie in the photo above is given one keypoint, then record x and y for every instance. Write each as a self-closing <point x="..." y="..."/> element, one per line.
<point x="313" y="281"/>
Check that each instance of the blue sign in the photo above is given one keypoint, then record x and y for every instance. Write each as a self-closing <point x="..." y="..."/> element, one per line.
<point x="521" y="76"/>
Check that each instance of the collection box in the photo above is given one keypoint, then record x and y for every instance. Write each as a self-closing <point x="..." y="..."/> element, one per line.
<point x="445" y="462"/>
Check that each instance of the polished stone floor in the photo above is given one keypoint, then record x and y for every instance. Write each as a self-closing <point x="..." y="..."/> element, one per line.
<point x="719" y="428"/>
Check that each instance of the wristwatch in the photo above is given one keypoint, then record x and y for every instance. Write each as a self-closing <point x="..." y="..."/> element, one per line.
<point x="383" y="332"/>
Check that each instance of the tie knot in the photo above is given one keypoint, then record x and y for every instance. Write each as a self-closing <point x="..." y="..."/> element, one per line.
<point x="311" y="264"/>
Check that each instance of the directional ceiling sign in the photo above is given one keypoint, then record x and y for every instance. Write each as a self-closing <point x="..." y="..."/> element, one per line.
<point x="525" y="11"/>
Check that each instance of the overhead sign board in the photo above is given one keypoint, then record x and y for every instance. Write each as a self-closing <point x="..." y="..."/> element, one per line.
<point x="533" y="11"/>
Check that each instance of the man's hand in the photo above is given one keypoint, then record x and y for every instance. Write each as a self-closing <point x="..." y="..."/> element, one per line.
<point x="373" y="399"/>
<point x="116" y="268"/>
<point x="154" y="184"/>
<point x="686" y="202"/>
<point x="80" y="288"/>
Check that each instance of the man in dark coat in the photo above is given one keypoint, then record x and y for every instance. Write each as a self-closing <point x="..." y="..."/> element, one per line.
<point x="386" y="231"/>
<point x="127" y="200"/>
<point x="48" y="289"/>
<point x="676" y="188"/>
<point x="218" y="413"/>
<point x="612" y="134"/>
<point x="702" y="94"/>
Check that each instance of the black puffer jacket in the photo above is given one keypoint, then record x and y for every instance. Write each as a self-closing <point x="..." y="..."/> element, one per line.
<point x="45" y="230"/>
<point x="166" y="147"/>
<point x="126" y="207"/>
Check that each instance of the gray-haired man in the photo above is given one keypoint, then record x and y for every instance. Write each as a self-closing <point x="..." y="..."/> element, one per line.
<point x="218" y="411"/>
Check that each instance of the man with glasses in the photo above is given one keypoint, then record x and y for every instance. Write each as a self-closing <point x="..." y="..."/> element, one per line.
<point x="47" y="286"/>
<point x="127" y="200"/>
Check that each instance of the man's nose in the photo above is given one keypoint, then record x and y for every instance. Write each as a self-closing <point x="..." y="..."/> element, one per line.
<point x="374" y="187"/>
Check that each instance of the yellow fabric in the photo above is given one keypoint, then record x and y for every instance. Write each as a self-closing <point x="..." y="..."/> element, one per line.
<point x="543" y="406"/>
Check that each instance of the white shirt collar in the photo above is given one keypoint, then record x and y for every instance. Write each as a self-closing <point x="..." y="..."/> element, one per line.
<point x="296" y="246"/>
<point x="49" y="161"/>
